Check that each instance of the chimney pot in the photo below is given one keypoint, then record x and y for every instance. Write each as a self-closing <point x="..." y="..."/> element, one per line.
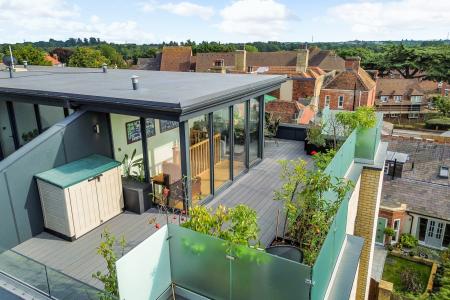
<point x="135" y="82"/>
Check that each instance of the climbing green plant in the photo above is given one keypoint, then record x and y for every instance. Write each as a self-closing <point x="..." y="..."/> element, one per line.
<point x="106" y="250"/>
<point x="309" y="213"/>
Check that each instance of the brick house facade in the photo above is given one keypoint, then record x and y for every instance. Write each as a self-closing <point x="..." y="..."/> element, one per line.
<point x="349" y="89"/>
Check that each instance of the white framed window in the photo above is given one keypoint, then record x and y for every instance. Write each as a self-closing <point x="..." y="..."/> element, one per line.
<point x="439" y="230"/>
<point x="327" y="100"/>
<point x="416" y="99"/>
<point x="396" y="230"/>
<point x="341" y="101"/>
<point x="413" y="115"/>
<point x="384" y="98"/>
<point x="398" y="99"/>
<point x="431" y="228"/>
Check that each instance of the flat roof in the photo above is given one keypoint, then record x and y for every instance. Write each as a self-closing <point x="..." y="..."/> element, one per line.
<point x="176" y="93"/>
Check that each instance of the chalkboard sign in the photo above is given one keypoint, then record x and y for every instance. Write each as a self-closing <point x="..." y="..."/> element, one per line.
<point x="133" y="130"/>
<point x="165" y="125"/>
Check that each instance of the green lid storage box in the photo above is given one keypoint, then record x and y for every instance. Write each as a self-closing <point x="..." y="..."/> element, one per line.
<point x="81" y="195"/>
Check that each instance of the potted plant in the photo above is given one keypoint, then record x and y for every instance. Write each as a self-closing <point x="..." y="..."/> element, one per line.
<point x="136" y="192"/>
<point x="389" y="232"/>
<point x="315" y="140"/>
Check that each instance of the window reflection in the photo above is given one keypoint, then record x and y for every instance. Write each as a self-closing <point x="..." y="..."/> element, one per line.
<point x="253" y="127"/>
<point x="199" y="158"/>
<point x="221" y="125"/>
<point x="239" y="138"/>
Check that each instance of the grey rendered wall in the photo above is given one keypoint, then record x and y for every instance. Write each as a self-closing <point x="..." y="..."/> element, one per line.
<point x="71" y="139"/>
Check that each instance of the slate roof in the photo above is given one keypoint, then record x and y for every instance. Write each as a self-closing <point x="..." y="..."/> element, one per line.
<point x="346" y="81"/>
<point x="151" y="63"/>
<point x="279" y="58"/>
<point x="420" y="197"/>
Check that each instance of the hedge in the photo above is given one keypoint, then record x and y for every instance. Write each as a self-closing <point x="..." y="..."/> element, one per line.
<point x="441" y="123"/>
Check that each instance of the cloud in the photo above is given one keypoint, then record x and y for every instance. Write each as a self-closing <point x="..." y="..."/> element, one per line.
<point x="44" y="19"/>
<point x="394" y="19"/>
<point x="185" y="9"/>
<point x="255" y="19"/>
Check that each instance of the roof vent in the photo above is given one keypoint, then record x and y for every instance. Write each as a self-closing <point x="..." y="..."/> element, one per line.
<point x="135" y="82"/>
<point x="104" y="68"/>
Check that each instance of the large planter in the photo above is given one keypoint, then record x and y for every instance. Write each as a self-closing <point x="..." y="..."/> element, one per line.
<point x="136" y="195"/>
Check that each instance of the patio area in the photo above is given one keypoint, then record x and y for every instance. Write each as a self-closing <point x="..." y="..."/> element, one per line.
<point x="255" y="189"/>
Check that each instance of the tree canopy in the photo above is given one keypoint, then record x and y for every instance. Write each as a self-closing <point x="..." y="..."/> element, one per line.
<point x="87" y="57"/>
<point x="22" y="52"/>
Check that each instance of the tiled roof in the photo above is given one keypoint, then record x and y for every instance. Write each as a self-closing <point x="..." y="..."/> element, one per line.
<point x="326" y="60"/>
<point x="204" y="61"/>
<point x="420" y="197"/>
<point x="404" y="87"/>
<point x="177" y="59"/>
<point x="52" y="59"/>
<point x="153" y="63"/>
<point x="279" y="58"/>
<point x="346" y="81"/>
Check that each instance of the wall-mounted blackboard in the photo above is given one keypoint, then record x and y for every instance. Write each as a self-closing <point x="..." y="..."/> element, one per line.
<point x="165" y="125"/>
<point x="133" y="130"/>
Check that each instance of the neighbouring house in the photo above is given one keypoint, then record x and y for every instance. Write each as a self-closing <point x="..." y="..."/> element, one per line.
<point x="53" y="59"/>
<point x="290" y="112"/>
<point x="148" y="63"/>
<point x="348" y="89"/>
<point x="417" y="200"/>
<point x="404" y="98"/>
<point x="199" y="140"/>
<point x="176" y="59"/>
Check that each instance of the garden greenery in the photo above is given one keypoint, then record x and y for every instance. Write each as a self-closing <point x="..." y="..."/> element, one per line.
<point x="237" y="225"/>
<point x="408" y="241"/>
<point x="106" y="250"/>
<point x="309" y="213"/>
<point x="133" y="168"/>
<point x="363" y="117"/>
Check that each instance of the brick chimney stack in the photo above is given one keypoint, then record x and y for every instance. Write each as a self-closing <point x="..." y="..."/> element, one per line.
<point x="302" y="60"/>
<point x="352" y="63"/>
<point x="240" y="60"/>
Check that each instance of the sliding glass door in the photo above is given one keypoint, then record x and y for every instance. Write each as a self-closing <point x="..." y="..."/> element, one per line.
<point x="239" y="153"/>
<point x="253" y="128"/>
<point x="221" y="129"/>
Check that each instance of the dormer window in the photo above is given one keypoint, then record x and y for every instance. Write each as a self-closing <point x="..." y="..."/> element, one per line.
<point x="416" y="99"/>
<point x="384" y="98"/>
<point x="398" y="99"/>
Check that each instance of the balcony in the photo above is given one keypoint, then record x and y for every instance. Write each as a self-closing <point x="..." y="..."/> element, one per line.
<point x="190" y="265"/>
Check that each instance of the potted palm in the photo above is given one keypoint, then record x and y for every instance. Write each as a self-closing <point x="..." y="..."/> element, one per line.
<point x="136" y="191"/>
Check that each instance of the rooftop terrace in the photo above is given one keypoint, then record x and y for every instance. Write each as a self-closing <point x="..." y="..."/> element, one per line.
<point x="255" y="189"/>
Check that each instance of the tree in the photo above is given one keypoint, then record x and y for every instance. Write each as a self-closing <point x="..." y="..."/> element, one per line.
<point x="363" y="117"/>
<point x="251" y="48"/>
<point x="33" y="55"/>
<point x="63" y="54"/>
<point x="114" y="57"/>
<point x="87" y="58"/>
<point x="442" y="104"/>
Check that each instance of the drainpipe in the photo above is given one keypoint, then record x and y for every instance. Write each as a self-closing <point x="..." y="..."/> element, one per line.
<point x="412" y="221"/>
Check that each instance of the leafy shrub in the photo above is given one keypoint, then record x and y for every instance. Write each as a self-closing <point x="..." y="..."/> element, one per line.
<point x="389" y="231"/>
<point x="408" y="241"/>
<point x="413" y="253"/>
<point x="237" y="225"/>
<point x="411" y="281"/>
<point x="390" y="247"/>
<point x="314" y="135"/>
<point x="322" y="160"/>
<point x="441" y="123"/>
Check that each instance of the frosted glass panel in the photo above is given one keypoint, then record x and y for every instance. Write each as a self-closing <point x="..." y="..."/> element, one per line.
<point x="259" y="275"/>
<point x="50" y="115"/>
<point x="144" y="272"/>
<point x="199" y="263"/>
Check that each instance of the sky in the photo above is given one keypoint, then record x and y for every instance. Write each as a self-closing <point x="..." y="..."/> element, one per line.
<point x="155" y="21"/>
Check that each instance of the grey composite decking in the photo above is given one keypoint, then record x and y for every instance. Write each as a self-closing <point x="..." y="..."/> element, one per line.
<point x="255" y="189"/>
